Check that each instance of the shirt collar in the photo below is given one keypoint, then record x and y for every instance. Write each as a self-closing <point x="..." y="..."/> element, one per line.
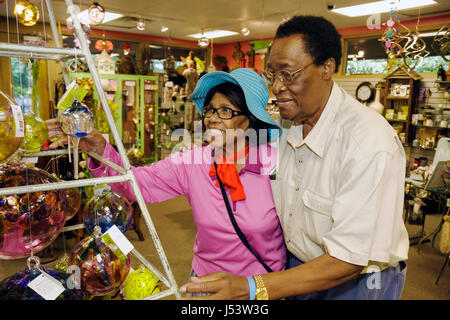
<point x="317" y="137"/>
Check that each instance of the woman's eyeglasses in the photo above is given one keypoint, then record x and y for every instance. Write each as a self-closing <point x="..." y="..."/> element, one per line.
<point x="223" y="113"/>
<point x="286" y="77"/>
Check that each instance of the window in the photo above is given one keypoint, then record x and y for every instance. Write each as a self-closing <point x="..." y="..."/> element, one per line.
<point x="368" y="56"/>
<point x="22" y="83"/>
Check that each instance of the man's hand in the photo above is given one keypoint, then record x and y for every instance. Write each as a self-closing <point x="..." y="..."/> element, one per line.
<point x="221" y="285"/>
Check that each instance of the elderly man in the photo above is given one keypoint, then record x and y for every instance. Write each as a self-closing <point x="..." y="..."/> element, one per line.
<point x="339" y="187"/>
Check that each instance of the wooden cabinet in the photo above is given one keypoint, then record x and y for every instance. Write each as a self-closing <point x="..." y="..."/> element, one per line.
<point x="401" y="100"/>
<point x="133" y="100"/>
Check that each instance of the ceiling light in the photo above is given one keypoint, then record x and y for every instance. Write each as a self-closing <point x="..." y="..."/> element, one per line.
<point x="361" y="53"/>
<point x="245" y="31"/>
<point x="203" y="42"/>
<point x="213" y="34"/>
<point x="381" y="6"/>
<point x="164" y="28"/>
<point x="84" y="17"/>
<point x="141" y="24"/>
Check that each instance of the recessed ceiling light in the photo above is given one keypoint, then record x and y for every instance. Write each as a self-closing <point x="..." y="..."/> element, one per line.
<point x="245" y="31"/>
<point x="164" y="28"/>
<point x="381" y="6"/>
<point x="213" y="34"/>
<point x="109" y="16"/>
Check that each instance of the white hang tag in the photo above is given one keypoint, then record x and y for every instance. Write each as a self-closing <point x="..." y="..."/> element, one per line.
<point x="115" y="239"/>
<point x="46" y="286"/>
<point x="18" y="120"/>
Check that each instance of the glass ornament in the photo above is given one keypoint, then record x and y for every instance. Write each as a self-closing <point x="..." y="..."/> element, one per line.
<point x="73" y="202"/>
<point x="36" y="133"/>
<point x="16" y="287"/>
<point x="77" y="121"/>
<point x="101" y="270"/>
<point x="141" y="283"/>
<point x="29" y="222"/>
<point x="12" y="127"/>
<point x="107" y="209"/>
<point x="96" y="13"/>
<point x="26" y="12"/>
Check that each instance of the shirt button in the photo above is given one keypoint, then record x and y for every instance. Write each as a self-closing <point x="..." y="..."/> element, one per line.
<point x="297" y="188"/>
<point x="300" y="161"/>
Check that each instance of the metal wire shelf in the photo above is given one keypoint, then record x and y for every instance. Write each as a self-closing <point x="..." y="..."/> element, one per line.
<point x="125" y="173"/>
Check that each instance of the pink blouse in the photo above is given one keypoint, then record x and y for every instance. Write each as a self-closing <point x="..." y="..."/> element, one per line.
<point x="217" y="247"/>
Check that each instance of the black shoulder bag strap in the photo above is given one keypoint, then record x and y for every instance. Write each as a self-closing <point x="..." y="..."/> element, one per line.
<point x="235" y="225"/>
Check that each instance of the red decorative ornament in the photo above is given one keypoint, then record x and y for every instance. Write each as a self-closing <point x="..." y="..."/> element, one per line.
<point x="101" y="45"/>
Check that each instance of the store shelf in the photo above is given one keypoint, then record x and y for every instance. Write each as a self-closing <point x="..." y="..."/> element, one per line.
<point x="397" y="97"/>
<point x="431" y="127"/>
<point x="394" y="120"/>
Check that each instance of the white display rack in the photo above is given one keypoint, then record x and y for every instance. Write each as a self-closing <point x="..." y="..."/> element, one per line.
<point x="125" y="173"/>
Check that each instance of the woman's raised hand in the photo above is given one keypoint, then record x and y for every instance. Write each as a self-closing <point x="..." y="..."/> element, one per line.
<point x="94" y="141"/>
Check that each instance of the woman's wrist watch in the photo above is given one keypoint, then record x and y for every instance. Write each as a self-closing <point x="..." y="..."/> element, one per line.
<point x="261" y="290"/>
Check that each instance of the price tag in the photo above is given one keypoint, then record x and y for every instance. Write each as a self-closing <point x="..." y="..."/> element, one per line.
<point x="117" y="242"/>
<point x="31" y="159"/>
<point x="73" y="92"/>
<point x="98" y="191"/>
<point x="46" y="286"/>
<point x="130" y="83"/>
<point x="18" y="120"/>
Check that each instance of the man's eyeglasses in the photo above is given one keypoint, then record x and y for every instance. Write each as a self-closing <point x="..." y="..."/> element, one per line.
<point x="224" y="113"/>
<point x="286" y="77"/>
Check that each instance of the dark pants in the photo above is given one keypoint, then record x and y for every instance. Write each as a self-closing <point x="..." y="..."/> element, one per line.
<point x="384" y="285"/>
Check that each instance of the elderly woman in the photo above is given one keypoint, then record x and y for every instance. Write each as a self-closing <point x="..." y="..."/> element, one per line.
<point x="233" y="112"/>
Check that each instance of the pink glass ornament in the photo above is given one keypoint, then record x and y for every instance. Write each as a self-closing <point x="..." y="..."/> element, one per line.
<point x="29" y="222"/>
<point x="101" y="270"/>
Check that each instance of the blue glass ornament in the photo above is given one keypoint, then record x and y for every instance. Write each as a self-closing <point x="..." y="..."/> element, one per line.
<point x="107" y="209"/>
<point x="77" y="121"/>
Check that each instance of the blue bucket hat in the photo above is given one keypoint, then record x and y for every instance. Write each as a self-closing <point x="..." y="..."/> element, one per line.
<point x="254" y="88"/>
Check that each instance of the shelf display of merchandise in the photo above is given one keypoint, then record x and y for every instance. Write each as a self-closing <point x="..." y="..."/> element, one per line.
<point x="36" y="204"/>
<point x="133" y="100"/>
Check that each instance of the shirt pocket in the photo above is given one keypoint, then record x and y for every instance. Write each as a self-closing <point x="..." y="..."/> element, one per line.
<point x="318" y="219"/>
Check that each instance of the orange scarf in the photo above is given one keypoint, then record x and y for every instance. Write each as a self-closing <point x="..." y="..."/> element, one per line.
<point x="227" y="172"/>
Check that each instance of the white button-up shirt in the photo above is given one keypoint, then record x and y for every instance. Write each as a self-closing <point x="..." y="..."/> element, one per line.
<point x="341" y="189"/>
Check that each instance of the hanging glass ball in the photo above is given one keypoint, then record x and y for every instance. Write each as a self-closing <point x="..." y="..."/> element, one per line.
<point x="29" y="222"/>
<point x="73" y="202"/>
<point x="77" y="121"/>
<point x="141" y="283"/>
<point x="36" y="133"/>
<point x="105" y="210"/>
<point x="26" y="12"/>
<point x="12" y="127"/>
<point x="16" y="287"/>
<point x="101" y="270"/>
<point x="96" y="13"/>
